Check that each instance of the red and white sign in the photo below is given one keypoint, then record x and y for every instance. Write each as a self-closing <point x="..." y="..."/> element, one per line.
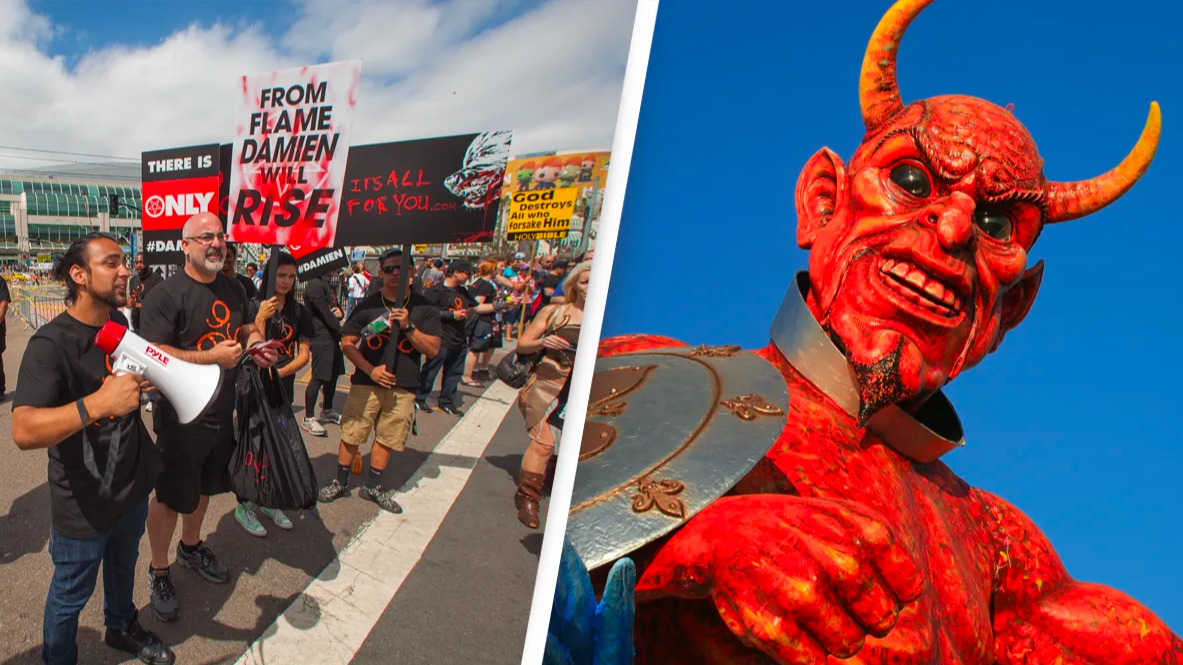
<point x="177" y="184"/>
<point x="291" y="144"/>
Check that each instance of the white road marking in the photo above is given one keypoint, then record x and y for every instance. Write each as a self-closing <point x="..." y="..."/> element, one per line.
<point x="330" y="620"/>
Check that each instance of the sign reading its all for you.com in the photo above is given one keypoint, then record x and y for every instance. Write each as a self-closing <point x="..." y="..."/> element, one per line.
<point x="541" y="214"/>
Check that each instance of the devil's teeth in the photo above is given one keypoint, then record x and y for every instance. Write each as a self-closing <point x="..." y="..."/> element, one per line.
<point x="901" y="269"/>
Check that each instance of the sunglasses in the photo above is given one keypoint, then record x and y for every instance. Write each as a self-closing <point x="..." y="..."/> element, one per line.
<point x="386" y="270"/>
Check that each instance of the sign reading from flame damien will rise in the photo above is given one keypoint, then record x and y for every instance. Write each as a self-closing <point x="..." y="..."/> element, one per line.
<point x="541" y="214"/>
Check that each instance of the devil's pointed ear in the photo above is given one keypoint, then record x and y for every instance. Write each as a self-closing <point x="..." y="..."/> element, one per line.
<point x="1018" y="300"/>
<point x="821" y="188"/>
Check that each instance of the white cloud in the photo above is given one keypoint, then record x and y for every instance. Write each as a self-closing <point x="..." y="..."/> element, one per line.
<point x="553" y="75"/>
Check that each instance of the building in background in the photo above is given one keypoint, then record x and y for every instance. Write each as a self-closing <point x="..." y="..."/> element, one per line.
<point x="43" y="210"/>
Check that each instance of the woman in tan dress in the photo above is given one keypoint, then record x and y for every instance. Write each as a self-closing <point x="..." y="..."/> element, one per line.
<point x="555" y="331"/>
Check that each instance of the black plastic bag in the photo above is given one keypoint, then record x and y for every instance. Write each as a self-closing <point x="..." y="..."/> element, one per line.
<point x="270" y="466"/>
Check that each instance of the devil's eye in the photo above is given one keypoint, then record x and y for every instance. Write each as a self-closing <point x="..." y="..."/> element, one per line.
<point x="912" y="179"/>
<point x="993" y="222"/>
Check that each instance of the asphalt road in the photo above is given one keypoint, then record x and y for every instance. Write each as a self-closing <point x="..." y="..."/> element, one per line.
<point x="465" y="601"/>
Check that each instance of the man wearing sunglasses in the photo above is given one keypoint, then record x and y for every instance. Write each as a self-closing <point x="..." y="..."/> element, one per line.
<point x="456" y="308"/>
<point x="200" y="316"/>
<point x="380" y="401"/>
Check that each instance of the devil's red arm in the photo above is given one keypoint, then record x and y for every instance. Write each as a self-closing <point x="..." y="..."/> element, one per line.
<point x="1044" y="617"/>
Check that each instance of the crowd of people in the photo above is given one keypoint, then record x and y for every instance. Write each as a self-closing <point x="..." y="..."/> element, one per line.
<point x="111" y="483"/>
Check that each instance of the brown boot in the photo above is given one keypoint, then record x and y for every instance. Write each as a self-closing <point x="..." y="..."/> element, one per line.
<point x="527" y="498"/>
<point x="549" y="483"/>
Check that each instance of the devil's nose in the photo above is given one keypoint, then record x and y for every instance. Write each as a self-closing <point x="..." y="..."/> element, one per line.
<point x="955" y="223"/>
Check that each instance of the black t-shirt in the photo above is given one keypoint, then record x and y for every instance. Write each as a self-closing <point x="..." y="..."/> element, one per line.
<point x="5" y="296"/>
<point x="552" y="281"/>
<point x="140" y="287"/>
<point x="452" y="298"/>
<point x="320" y="300"/>
<point x="61" y="365"/>
<point x="292" y="324"/>
<point x="484" y="287"/>
<point x="424" y="316"/>
<point x="248" y="285"/>
<point x="193" y="316"/>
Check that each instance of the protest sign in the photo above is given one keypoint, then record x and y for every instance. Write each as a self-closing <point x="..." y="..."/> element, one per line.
<point x="586" y="170"/>
<point x="321" y="262"/>
<point x="177" y="184"/>
<point x="436" y="190"/>
<point x="541" y="215"/>
<point x="291" y="146"/>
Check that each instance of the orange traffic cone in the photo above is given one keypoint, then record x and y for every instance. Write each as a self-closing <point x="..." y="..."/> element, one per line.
<point x="357" y="465"/>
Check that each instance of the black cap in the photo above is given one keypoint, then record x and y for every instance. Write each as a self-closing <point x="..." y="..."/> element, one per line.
<point x="394" y="253"/>
<point x="460" y="265"/>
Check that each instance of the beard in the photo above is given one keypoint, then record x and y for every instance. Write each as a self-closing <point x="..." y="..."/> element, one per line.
<point x="212" y="261"/>
<point x="110" y="297"/>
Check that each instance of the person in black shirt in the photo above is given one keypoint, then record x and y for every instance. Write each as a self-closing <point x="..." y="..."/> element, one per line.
<point x="484" y="336"/>
<point x="200" y="316"/>
<point x="328" y="362"/>
<point x="102" y="462"/>
<point x="378" y="400"/>
<point x="142" y="281"/>
<point x="285" y="320"/>
<point x="455" y="305"/>
<point x="554" y="277"/>
<point x="5" y="302"/>
<point x="229" y="268"/>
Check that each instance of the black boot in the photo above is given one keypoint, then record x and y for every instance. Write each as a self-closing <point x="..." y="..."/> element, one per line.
<point x="141" y="643"/>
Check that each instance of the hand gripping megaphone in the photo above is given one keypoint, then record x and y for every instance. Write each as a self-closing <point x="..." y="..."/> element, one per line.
<point x="190" y="388"/>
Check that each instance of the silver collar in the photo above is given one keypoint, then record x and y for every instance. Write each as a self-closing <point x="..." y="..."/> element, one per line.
<point x="807" y="347"/>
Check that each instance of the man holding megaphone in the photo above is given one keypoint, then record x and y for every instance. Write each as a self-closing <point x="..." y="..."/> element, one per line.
<point x="102" y="463"/>
<point x="198" y="315"/>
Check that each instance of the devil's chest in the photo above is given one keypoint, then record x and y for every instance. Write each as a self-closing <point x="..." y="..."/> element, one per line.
<point x="823" y="455"/>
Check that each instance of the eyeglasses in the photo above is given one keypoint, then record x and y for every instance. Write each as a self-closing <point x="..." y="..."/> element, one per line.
<point x="207" y="238"/>
<point x="386" y="270"/>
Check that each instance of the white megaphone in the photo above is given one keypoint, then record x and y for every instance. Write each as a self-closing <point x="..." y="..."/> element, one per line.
<point x="190" y="388"/>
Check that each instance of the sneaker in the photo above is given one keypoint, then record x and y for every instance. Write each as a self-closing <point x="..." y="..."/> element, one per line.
<point x="422" y="406"/>
<point x="384" y="499"/>
<point x="278" y="517"/>
<point x="163" y="596"/>
<point x="249" y="521"/>
<point x="452" y="411"/>
<point x="141" y="643"/>
<point x="331" y="492"/>
<point x="312" y="427"/>
<point x="204" y="562"/>
<point x="329" y="417"/>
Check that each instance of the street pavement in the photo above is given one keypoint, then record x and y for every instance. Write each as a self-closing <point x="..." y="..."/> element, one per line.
<point x="463" y="599"/>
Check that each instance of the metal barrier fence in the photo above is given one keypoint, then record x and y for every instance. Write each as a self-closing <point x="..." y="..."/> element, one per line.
<point x="35" y="308"/>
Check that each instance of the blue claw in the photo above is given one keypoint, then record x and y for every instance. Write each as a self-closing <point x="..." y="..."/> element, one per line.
<point x="583" y="632"/>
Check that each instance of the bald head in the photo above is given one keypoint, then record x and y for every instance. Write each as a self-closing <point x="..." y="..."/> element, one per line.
<point x="201" y="223"/>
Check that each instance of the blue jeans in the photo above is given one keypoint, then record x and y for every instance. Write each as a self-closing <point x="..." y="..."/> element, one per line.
<point x="75" y="571"/>
<point x="451" y="361"/>
<point x="350" y="304"/>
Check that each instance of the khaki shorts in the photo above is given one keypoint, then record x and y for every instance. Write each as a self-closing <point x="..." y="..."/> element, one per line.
<point x="388" y="413"/>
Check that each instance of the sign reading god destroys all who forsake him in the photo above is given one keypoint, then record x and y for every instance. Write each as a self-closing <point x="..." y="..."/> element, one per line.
<point x="291" y="145"/>
<point x="543" y="214"/>
<point x="177" y="184"/>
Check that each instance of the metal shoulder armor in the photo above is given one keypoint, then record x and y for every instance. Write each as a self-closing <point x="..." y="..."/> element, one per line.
<point x="668" y="431"/>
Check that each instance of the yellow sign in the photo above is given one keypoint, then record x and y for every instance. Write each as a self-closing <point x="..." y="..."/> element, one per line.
<point x="543" y="214"/>
<point x="585" y="170"/>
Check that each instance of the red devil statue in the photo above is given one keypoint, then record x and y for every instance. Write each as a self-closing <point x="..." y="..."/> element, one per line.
<point x="849" y="541"/>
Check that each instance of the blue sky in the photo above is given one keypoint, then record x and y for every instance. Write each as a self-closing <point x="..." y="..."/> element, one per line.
<point x="117" y="78"/>
<point x="1075" y="419"/>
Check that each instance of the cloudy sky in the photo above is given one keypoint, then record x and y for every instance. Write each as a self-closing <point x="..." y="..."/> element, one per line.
<point x="116" y="78"/>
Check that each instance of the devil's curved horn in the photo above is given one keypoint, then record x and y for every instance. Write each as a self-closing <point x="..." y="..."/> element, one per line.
<point x="879" y="91"/>
<point x="1072" y="200"/>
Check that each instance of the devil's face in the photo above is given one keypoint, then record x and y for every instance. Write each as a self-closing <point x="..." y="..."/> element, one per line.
<point x="930" y="231"/>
